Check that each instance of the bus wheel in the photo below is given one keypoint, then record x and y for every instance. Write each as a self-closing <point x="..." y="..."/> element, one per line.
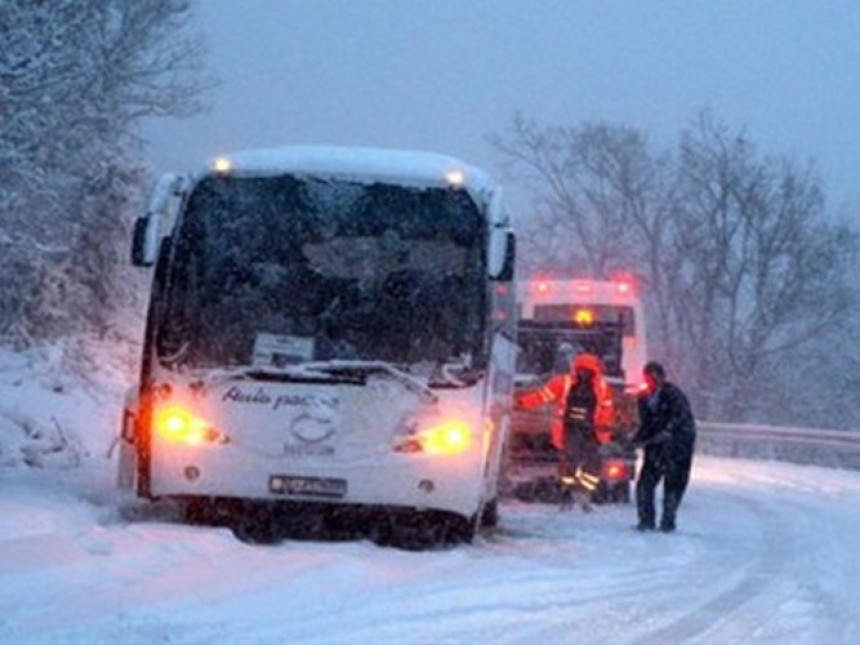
<point x="418" y="532"/>
<point x="199" y="511"/>
<point x="257" y="526"/>
<point x="490" y="514"/>
<point x="426" y="530"/>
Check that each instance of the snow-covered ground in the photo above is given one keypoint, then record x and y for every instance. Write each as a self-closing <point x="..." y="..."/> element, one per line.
<point x="765" y="553"/>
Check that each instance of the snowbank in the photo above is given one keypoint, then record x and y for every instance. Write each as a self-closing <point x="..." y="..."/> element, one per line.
<point x="60" y="405"/>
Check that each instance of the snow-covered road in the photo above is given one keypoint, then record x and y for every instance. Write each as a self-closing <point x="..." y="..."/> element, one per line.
<point x="765" y="553"/>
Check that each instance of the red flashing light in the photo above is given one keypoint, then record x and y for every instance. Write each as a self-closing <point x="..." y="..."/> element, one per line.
<point x="583" y="287"/>
<point x="615" y="471"/>
<point x="542" y="287"/>
<point x="625" y="284"/>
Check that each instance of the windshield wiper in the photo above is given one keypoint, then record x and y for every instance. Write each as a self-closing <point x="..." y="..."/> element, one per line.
<point x="291" y="373"/>
<point x="363" y="368"/>
<point x="455" y="375"/>
<point x="336" y="371"/>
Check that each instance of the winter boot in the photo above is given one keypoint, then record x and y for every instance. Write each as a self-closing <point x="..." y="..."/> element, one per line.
<point x="566" y="492"/>
<point x="584" y="502"/>
<point x="565" y="499"/>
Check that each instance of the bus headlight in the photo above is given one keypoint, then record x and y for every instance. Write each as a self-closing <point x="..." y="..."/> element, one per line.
<point x="447" y="437"/>
<point x="177" y="424"/>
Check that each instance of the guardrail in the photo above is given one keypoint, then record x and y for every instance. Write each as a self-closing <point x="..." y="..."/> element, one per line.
<point x="831" y="448"/>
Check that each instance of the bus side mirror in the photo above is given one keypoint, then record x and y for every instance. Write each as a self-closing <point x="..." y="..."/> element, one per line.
<point x="145" y="241"/>
<point x="164" y="203"/>
<point x="143" y="252"/>
<point x="502" y="254"/>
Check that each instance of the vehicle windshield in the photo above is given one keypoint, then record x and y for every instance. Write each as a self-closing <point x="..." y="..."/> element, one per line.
<point x="547" y="349"/>
<point x="283" y="270"/>
<point x="622" y="314"/>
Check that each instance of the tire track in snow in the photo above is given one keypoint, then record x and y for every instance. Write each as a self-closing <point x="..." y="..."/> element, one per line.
<point x="761" y="574"/>
<point x="797" y="571"/>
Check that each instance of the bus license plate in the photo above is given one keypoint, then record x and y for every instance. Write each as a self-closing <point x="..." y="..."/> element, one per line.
<point x="314" y="486"/>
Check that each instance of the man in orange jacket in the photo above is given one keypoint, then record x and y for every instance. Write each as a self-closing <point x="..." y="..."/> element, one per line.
<point x="583" y="411"/>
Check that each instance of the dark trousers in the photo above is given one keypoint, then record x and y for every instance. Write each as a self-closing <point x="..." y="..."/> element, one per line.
<point x="675" y="475"/>
<point x="580" y="459"/>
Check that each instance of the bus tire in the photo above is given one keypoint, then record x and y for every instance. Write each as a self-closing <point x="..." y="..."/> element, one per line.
<point x="257" y="525"/>
<point x="490" y="514"/>
<point x="200" y="511"/>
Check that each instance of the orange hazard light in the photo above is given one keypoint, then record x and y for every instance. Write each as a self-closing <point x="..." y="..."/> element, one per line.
<point x="583" y="316"/>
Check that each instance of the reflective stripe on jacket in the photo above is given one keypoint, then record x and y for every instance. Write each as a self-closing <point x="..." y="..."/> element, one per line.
<point x="556" y="389"/>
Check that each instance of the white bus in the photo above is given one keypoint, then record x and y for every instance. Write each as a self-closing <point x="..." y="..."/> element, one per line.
<point x="584" y="301"/>
<point x="331" y="334"/>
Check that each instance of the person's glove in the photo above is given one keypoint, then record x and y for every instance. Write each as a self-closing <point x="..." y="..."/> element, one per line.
<point x="607" y="449"/>
<point x="625" y="443"/>
<point x="634" y="441"/>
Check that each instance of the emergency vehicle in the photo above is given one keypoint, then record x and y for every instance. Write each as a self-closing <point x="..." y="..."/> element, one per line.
<point x="589" y="301"/>
<point x="559" y="319"/>
<point x="330" y="332"/>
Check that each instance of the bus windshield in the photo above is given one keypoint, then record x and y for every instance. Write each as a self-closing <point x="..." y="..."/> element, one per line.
<point x="283" y="270"/>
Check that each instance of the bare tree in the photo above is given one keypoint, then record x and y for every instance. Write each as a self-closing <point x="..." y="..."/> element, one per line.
<point x="743" y="268"/>
<point x="581" y="222"/>
<point x="603" y="205"/>
<point x="763" y="268"/>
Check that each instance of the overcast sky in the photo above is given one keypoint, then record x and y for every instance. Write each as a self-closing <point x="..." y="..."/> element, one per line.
<point x="444" y="74"/>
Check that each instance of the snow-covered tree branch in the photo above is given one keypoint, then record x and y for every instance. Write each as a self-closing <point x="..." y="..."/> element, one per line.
<point x="75" y="78"/>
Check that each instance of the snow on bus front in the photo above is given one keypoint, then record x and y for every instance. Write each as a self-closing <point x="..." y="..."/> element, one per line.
<point x="309" y="332"/>
<point x="355" y="434"/>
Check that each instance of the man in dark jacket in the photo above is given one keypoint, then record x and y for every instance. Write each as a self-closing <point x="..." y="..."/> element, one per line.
<point x="667" y="432"/>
